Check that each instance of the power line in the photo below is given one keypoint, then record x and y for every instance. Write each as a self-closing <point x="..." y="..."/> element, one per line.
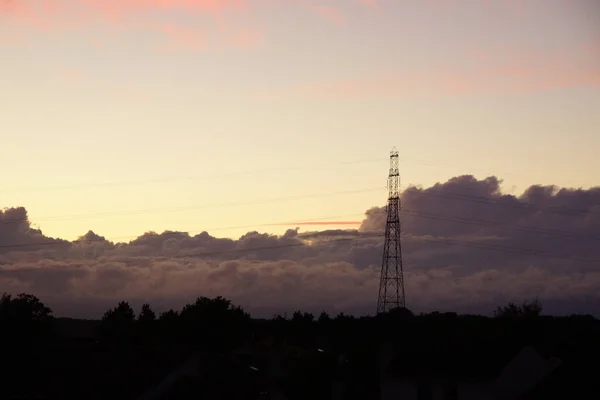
<point x="417" y="214"/>
<point x="509" y="249"/>
<point x="54" y="243"/>
<point x="523" y="206"/>
<point x="306" y="166"/>
<point x="363" y="236"/>
<point x="428" y="192"/>
<point x="221" y="228"/>
<point x="432" y="216"/>
<point x="195" y="207"/>
<point x="472" y="221"/>
<point x="371" y="235"/>
<point x="445" y="166"/>
<point x="113" y="239"/>
<point x="284" y="246"/>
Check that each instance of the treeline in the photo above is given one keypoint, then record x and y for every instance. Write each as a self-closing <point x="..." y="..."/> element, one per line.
<point x="27" y="307"/>
<point x="132" y="349"/>
<point x="218" y="311"/>
<point x="217" y="323"/>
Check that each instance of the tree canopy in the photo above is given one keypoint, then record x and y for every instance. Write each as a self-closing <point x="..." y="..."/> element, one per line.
<point x="23" y="307"/>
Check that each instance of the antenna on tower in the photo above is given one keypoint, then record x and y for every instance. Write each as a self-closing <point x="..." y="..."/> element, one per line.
<point x="391" y="284"/>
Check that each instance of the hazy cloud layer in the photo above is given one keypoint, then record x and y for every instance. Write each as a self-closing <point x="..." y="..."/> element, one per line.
<point x="77" y="15"/>
<point x="466" y="245"/>
<point x="486" y="71"/>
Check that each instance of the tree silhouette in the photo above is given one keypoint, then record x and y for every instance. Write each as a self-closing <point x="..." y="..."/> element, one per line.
<point x="24" y="307"/>
<point x="146" y="323"/>
<point x="169" y="316"/>
<point x="122" y="313"/>
<point x="324" y="317"/>
<point x="343" y="317"/>
<point x="117" y="323"/>
<point x="532" y="308"/>
<point x="144" y="349"/>
<point x="24" y="317"/>
<point x="213" y="321"/>
<point x="528" y="309"/>
<point x="301" y="317"/>
<point x="146" y="314"/>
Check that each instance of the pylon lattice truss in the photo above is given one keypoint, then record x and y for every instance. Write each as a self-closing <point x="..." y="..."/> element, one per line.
<point x="391" y="285"/>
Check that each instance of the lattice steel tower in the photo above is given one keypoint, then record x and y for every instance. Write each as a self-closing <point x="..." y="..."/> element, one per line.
<point x="391" y="285"/>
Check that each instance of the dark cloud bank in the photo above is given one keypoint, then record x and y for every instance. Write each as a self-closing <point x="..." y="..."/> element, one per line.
<point x="467" y="247"/>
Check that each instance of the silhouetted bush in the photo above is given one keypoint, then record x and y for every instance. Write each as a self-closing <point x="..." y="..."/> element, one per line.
<point x="528" y="309"/>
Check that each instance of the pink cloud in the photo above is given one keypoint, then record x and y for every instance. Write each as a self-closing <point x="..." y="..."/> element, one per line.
<point x="496" y="73"/>
<point x="13" y="41"/>
<point x="330" y="14"/>
<point x="182" y="38"/>
<point x="375" y="4"/>
<point x="119" y="9"/>
<point x="514" y="8"/>
<point x="60" y="15"/>
<point x="246" y="38"/>
<point x="42" y="14"/>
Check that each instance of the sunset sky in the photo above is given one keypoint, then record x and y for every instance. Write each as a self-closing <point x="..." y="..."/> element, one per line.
<point x="124" y="116"/>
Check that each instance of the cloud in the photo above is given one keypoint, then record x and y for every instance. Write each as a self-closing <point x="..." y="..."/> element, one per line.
<point x="488" y="71"/>
<point x="467" y="247"/>
<point x="317" y="223"/>
<point x="212" y="21"/>
<point x="16" y="232"/>
<point x="246" y="39"/>
<point x="329" y="13"/>
<point x="182" y="38"/>
<point x="375" y="4"/>
<point x="117" y="9"/>
<point x="151" y="15"/>
<point x="123" y="7"/>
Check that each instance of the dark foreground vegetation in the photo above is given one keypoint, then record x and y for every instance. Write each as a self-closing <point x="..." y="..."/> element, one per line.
<point x="128" y="354"/>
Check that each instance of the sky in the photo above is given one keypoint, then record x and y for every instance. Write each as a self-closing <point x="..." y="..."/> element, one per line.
<point x="213" y="101"/>
<point x="232" y="116"/>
